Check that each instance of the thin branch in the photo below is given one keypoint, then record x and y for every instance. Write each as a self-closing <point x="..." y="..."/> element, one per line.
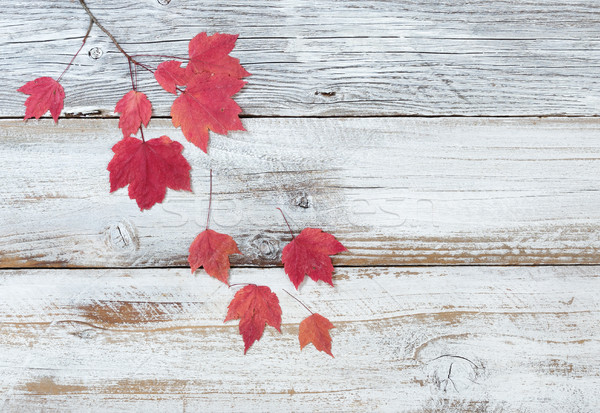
<point x="209" y="201"/>
<point x="87" y="33"/>
<point x="160" y="55"/>
<point x="301" y="303"/>
<point x="112" y="38"/>
<point x="287" y="223"/>
<point x="131" y="74"/>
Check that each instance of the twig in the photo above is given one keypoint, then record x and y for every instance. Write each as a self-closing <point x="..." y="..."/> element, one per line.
<point x="112" y="38"/>
<point x="87" y="33"/>
<point x="301" y="303"/>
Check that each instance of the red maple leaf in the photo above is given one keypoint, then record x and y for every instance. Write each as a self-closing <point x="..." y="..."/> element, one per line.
<point x="315" y="329"/>
<point x="255" y="306"/>
<point x="207" y="104"/>
<point x="170" y="74"/>
<point x="46" y="94"/>
<point x="308" y="254"/>
<point x="211" y="54"/>
<point x="135" y="110"/>
<point x="211" y="250"/>
<point x="149" y="168"/>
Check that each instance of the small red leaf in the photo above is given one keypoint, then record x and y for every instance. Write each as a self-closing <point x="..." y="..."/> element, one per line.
<point x="255" y="306"/>
<point x="211" y="54"/>
<point x="211" y="250"/>
<point x="135" y="110"/>
<point x="149" y="168"/>
<point x="207" y="104"/>
<point x="170" y="75"/>
<point x="315" y="329"/>
<point x="308" y="254"/>
<point x="46" y="94"/>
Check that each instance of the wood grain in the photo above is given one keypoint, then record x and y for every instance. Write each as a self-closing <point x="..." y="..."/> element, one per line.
<point x="510" y="339"/>
<point x="393" y="191"/>
<point x="326" y="58"/>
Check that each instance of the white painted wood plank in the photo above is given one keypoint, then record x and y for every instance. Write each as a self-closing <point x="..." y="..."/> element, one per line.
<point x="153" y="340"/>
<point x="394" y="191"/>
<point x="329" y="58"/>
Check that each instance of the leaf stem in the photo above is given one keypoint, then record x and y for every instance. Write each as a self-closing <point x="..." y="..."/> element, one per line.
<point x="238" y="284"/>
<point x="87" y="33"/>
<point x="112" y="38"/>
<point x="295" y="298"/>
<point x="209" y="201"/>
<point x="142" y="132"/>
<point x="287" y="223"/>
<point x="131" y="75"/>
<point x="160" y="55"/>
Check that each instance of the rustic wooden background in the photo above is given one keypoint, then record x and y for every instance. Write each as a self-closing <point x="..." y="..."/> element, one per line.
<point x="452" y="146"/>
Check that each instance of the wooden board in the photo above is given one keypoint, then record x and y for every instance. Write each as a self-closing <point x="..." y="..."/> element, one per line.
<point x="394" y="191"/>
<point x="325" y="58"/>
<point x="416" y="340"/>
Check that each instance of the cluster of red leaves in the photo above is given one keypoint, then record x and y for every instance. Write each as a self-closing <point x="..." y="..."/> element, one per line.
<point x="205" y="88"/>
<point x="256" y="306"/>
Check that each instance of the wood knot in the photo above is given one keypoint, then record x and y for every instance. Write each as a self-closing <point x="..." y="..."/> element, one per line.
<point x="455" y="374"/>
<point x="163" y="2"/>
<point x="95" y="53"/>
<point x="329" y="94"/>
<point x="265" y="247"/>
<point x="302" y="200"/>
<point x="122" y="236"/>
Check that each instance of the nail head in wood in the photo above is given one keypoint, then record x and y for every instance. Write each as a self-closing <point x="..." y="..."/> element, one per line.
<point x="95" y="53"/>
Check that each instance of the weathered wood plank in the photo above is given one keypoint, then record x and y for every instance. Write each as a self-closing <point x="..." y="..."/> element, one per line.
<point x="518" y="339"/>
<point x="394" y="191"/>
<point x="329" y="58"/>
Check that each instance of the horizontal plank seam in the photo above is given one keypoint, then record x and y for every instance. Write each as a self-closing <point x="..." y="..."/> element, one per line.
<point x="340" y="266"/>
<point x="532" y="116"/>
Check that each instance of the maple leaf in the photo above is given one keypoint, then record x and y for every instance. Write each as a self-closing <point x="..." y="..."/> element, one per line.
<point x="46" y="94"/>
<point x="135" y="110"/>
<point x="207" y="104"/>
<point x="211" y="54"/>
<point x="148" y="168"/>
<point x="315" y="329"/>
<point x="308" y="254"/>
<point x="211" y="250"/>
<point x="170" y="74"/>
<point x="255" y="306"/>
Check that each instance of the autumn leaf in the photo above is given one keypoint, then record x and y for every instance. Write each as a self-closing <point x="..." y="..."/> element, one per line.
<point x="135" y="110"/>
<point x="211" y="54"/>
<point x="149" y="168"/>
<point x="315" y="329"/>
<point x="170" y="74"/>
<point x="207" y="104"/>
<point x="211" y="250"/>
<point x="308" y="254"/>
<point x="46" y="94"/>
<point x="255" y="306"/>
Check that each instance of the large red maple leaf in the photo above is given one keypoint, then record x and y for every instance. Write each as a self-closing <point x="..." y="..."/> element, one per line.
<point x="149" y="168"/>
<point x="211" y="54"/>
<point x="135" y="110"/>
<point x="315" y="329"/>
<point x="46" y="94"/>
<point x="308" y="254"/>
<point x="207" y="104"/>
<point x="211" y="250"/>
<point x="255" y="306"/>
